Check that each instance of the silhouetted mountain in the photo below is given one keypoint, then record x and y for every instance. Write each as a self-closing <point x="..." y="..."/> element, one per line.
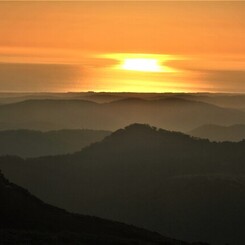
<point x="24" y="219"/>
<point x="171" y="113"/>
<point x="47" y="111"/>
<point x="26" y="143"/>
<point x="220" y="133"/>
<point x="224" y="100"/>
<point x="8" y="98"/>
<point x="30" y="125"/>
<point x="183" y="187"/>
<point x="100" y="97"/>
<point x="228" y="100"/>
<point x="219" y="99"/>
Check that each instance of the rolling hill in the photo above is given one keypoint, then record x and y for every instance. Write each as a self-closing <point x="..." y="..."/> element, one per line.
<point x="170" y="113"/>
<point x="220" y="133"/>
<point x="186" y="188"/>
<point x="27" y="143"/>
<point x="226" y="100"/>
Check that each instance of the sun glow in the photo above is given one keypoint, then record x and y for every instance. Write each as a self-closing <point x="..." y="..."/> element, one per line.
<point x="132" y="72"/>
<point x="141" y="64"/>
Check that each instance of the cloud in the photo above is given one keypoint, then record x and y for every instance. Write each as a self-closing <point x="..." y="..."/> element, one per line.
<point x="219" y="74"/>
<point x="39" y="77"/>
<point x="225" y="80"/>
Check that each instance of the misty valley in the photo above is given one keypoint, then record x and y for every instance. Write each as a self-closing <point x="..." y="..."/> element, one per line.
<point x="90" y="168"/>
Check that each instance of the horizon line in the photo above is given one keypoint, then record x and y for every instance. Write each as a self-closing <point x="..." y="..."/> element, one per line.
<point x="116" y="92"/>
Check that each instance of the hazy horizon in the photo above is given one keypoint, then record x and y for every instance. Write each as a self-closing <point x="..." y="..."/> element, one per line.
<point x="122" y="46"/>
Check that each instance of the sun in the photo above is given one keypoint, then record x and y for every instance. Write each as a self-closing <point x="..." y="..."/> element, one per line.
<point x="141" y="64"/>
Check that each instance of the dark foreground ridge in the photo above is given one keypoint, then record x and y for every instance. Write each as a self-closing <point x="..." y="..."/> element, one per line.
<point x="24" y="219"/>
<point x="183" y="187"/>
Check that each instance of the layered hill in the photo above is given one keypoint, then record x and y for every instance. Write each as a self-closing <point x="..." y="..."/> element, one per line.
<point x="24" y="219"/>
<point x="227" y="100"/>
<point x="220" y="133"/>
<point x="183" y="187"/>
<point x="29" y="143"/>
<point x="171" y="113"/>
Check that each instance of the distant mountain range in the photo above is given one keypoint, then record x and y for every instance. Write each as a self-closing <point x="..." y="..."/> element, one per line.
<point x="172" y="113"/>
<point x="28" y="143"/>
<point x="220" y="133"/>
<point x="228" y="100"/>
<point x="24" y="219"/>
<point x="235" y="101"/>
<point x="186" y="188"/>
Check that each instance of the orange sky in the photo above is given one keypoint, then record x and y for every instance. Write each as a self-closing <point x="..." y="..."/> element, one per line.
<point x="58" y="46"/>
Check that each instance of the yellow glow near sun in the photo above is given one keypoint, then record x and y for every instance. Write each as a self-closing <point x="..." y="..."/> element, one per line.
<point x="137" y="72"/>
<point x="141" y="64"/>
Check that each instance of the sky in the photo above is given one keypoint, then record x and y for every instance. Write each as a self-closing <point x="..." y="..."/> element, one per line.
<point x="137" y="46"/>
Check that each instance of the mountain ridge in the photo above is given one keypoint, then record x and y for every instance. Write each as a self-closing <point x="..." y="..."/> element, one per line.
<point x="131" y="176"/>
<point x="32" y="143"/>
<point x="170" y="113"/>
<point x="22" y="212"/>
<point x="214" y="132"/>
